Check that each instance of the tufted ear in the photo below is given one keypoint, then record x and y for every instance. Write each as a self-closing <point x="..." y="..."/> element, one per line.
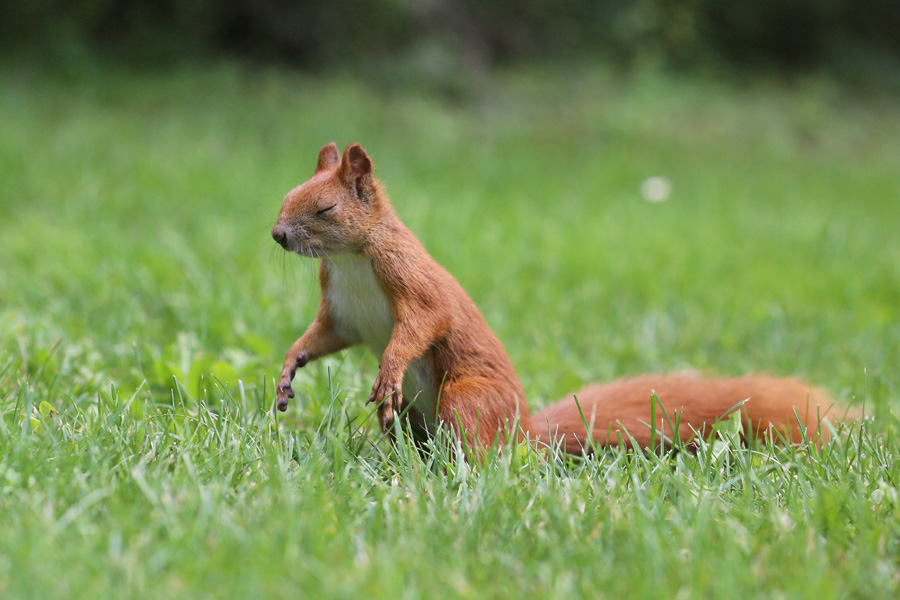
<point x="328" y="157"/>
<point x="356" y="171"/>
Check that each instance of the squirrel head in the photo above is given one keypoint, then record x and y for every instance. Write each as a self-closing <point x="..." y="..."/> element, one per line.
<point x="334" y="210"/>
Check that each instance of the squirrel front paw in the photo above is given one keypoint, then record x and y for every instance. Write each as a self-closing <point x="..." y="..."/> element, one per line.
<point x="284" y="391"/>
<point x="388" y="393"/>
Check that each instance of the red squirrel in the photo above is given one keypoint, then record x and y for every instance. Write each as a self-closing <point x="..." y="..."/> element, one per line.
<point x="381" y="288"/>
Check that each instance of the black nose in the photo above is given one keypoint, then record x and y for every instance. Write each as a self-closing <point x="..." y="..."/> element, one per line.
<point x="279" y="234"/>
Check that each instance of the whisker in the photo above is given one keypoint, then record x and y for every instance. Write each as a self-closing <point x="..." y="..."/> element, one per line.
<point x="290" y="268"/>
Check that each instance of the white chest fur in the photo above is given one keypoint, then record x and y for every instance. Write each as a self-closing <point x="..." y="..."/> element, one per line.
<point x="359" y="307"/>
<point x="362" y="315"/>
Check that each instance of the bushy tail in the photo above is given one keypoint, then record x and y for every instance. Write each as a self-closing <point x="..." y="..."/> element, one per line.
<point x="621" y="410"/>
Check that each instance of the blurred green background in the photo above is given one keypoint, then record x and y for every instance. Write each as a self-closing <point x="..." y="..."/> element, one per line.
<point x="147" y="144"/>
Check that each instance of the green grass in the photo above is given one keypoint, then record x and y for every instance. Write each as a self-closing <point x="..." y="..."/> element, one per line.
<point x="145" y="310"/>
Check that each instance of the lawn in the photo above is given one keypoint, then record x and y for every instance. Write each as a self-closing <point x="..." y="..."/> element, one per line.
<point x="145" y="312"/>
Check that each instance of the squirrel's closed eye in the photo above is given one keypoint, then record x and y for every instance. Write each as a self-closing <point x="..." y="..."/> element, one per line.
<point x="325" y="210"/>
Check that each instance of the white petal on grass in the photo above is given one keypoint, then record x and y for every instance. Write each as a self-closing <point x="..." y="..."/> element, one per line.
<point x="656" y="189"/>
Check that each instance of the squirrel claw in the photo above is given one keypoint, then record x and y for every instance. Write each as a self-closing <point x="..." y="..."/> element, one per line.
<point x="389" y="398"/>
<point x="283" y="392"/>
<point x="386" y="416"/>
<point x="388" y="394"/>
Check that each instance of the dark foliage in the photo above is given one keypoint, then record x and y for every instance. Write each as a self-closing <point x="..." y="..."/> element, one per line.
<point x="785" y="34"/>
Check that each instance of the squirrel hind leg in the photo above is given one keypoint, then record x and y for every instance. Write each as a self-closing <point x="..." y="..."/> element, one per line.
<point x="480" y="412"/>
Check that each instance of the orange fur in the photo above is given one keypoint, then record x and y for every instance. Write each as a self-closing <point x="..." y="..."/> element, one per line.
<point x="622" y="409"/>
<point x="381" y="288"/>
